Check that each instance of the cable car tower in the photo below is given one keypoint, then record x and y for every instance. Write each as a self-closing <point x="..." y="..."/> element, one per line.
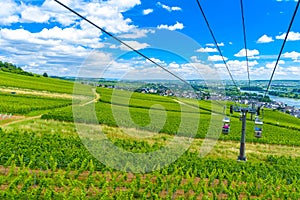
<point x="244" y="111"/>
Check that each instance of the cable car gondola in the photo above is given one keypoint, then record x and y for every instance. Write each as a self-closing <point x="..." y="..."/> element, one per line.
<point x="226" y="125"/>
<point x="258" y="128"/>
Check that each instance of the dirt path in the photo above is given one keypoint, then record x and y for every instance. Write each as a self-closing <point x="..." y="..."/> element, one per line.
<point x="97" y="97"/>
<point x="185" y="104"/>
<point x="35" y="93"/>
<point x="20" y="120"/>
<point x="23" y="118"/>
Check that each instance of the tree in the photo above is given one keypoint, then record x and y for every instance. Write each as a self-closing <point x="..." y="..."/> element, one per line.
<point x="45" y="74"/>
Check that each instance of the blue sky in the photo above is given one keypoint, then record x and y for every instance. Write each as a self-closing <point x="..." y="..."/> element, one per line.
<point x="41" y="36"/>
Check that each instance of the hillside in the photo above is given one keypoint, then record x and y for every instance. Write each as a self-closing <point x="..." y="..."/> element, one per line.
<point x="8" y="79"/>
<point x="45" y="155"/>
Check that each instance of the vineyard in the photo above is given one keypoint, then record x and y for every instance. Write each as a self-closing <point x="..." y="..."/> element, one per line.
<point x="46" y="158"/>
<point x="58" y="166"/>
<point x="284" y="133"/>
<point x="22" y="104"/>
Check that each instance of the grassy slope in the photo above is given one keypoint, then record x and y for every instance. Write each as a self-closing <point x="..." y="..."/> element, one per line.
<point x="36" y="95"/>
<point x="35" y="83"/>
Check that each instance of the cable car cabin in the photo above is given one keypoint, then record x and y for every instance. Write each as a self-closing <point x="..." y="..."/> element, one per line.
<point x="258" y="128"/>
<point x="226" y="126"/>
<point x="236" y="108"/>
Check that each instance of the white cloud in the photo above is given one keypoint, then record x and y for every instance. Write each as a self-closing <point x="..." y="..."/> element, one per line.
<point x="251" y="53"/>
<point x="107" y="14"/>
<point x="293" y="70"/>
<point x="184" y="71"/>
<point x="293" y="55"/>
<point x="134" y="44"/>
<point x="141" y="69"/>
<point x="121" y="4"/>
<point x="175" y="8"/>
<point x="272" y="64"/>
<point x="95" y="64"/>
<point x="158" y="61"/>
<point x="237" y="65"/>
<point x="174" y="65"/>
<point x="265" y="39"/>
<point x="215" y="58"/>
<point x="113" y="46"/>
<point x="71" y="35"/>
<point x="147" y="11"/>
<point x="144" y="70"/>
<point x="52" y="49"/>
<point x="108" y="17"/>
<point x="177" y="26"/>
<point x="221" y="44"/>
<point x="195" y="59"/>
<point x="137" y="33"/>
<point x="34" y="14"/>
<point x="136" y="68"/>
<point x="65" y="46"/>
<point x="293" y="36"/>
<point x="17" y="35"/>
<point x="237" y="68"/>
<point x="207" y="49"/>
<point x="49" y="11"/>
<point x="168" y="8"/>
<point x="201" y="71"/>
<point x="210" y="45"/>
<point x="281" y="71"/>
<point x="263" y="73"/>
<point x="8" y="14"/>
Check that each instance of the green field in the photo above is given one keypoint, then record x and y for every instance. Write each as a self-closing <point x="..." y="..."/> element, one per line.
<point x="45" y="158"/>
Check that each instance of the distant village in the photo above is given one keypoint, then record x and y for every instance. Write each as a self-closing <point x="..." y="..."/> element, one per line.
<point x="275" y="105"/>
<point x="179" y="91"/>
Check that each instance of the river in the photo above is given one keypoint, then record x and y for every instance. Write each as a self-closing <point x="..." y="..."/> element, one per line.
<point x="288" y="101"/>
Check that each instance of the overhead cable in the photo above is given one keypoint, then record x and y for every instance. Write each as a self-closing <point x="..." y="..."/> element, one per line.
<point x="124" y="43"/>
<point x="283" y="44"/>
<point x="216" y="43"/>
<point x="245" y="42"/>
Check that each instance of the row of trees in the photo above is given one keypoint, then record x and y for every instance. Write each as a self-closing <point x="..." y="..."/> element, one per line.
<point x="9" y="67"/>
<point x="291" y="94"/>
